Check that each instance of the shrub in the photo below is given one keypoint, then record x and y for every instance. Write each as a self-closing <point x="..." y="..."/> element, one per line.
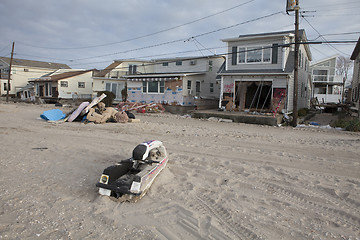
<point x="109" y="99"/>
<point x="303" y="112"/>
<point x="353" y="125"/>
<point x="349" y="124"/>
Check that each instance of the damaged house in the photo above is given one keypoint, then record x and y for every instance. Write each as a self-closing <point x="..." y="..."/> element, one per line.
<point x="64" y="84"/>
<point x="259" y="73"/>
<point x="22" y="71"/>
<point x="184" y="82"/>
<point x="112" y="78"/>
<point x="327" y="84"/>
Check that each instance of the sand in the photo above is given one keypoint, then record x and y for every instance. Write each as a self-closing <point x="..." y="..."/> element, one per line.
<point x="223" y="180"/>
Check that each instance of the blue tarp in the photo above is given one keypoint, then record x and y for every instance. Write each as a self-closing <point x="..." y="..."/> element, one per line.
<point x="53" y="115"/>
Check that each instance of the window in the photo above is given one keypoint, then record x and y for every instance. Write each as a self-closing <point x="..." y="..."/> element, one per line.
<point x="320" y="75"/>
<point x="5" y="87"/>
<point x="165" y="64"/>
<point x="154" y="87"/>
<point x="266" y="54"/>
<point x="132" y="69"/>
<point x="144" y="87"/>
<point x="26" y="70"/>
<point x="242" y="54"/>
<point x="189" y="84"/>
<point x="178" y="63"/>
<point x="197" y="88"/>
<point x="63" y="83"/>
<point x="254" y="54"/>
<point x="81" y="84"/>
<point x="211" y="87"/>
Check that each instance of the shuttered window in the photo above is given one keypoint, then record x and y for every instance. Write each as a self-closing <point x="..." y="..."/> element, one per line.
<point x="234" y="55"/>
<point x="275" y="48"/>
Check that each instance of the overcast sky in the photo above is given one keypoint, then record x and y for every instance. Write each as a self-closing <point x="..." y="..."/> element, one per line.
<point x="91" y="33"/>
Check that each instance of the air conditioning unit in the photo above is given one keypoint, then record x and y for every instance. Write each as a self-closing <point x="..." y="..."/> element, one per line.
<point x="190" y="91"/>
<point x="193" y="62"/>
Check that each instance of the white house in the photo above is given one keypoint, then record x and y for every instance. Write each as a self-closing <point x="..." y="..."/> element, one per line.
<point x="327" y="85"/>
<point x="22" y="71"/>
<point x="355" y="96"/>
<point x="177" y="81"/>
<point x="258" y="75"/>
<point x="74" y="84"/>
<point x="112" y="77"/>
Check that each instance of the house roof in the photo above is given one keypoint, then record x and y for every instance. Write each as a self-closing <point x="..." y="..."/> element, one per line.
<point x="356" y="51"/>
<point x="172" y="74"/>
<point x="323" y="60"/>
<point x="57" y="77"/>
<point x="187" y="58"/>
<point x="32" y="63"/>
<point x="102" y="73"/>
<point x="263" y="35"/>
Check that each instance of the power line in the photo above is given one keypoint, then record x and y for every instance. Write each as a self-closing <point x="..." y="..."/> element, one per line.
<point x="152" y="56"/>
<point x="180" y="40"/>
<point x="147" y="35"/>
<point x="335" y="34"/>
<point x="173" y="60"/>
<point x="5" y="47"/>
<point x="322" y="36"/>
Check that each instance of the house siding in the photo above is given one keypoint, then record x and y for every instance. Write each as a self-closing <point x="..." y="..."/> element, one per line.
<point x="73" y="90"/>
<point x="256" y="43"/>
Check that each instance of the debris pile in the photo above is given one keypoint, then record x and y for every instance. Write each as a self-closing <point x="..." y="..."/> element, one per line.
<point x="97" y="112"/>
<point x="140" y="107"/>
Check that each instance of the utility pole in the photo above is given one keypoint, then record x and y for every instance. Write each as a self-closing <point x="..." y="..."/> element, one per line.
<point x="296" y="64"/>
<point x="9" y="75"/>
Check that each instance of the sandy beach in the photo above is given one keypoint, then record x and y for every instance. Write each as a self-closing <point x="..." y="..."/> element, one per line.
<point x="223" y="180"/>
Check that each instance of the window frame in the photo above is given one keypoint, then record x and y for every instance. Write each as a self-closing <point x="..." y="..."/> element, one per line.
<point x="64" y="84"/>
<point x="243" y="56"/>
<point x="81" y="84"/>
<point x="160" y="87"/>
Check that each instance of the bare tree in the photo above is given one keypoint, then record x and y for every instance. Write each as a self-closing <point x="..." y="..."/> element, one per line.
<point x="343" y="66"/>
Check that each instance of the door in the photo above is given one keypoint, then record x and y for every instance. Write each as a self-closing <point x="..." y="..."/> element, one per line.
<point x="197" y="88"/>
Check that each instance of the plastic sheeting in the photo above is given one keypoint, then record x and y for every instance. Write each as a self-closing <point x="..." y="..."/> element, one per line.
<point x="53" y="115"/>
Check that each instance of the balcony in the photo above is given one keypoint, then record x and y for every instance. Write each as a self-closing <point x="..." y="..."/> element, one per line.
<point x="330" y="79"/>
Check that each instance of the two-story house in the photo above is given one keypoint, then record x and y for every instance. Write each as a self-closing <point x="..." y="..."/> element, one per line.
<point x="71" y="85"/>
<point x="355" y="95"/>
<point x="327" y="85"/>
<point x="259" y="73"/>
<point x="186" y="82"/>
<point x="112" y="77"/>
<point x="22" y="71"/>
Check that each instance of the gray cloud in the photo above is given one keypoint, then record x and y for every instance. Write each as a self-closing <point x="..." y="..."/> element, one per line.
<point x="75" y="24"/>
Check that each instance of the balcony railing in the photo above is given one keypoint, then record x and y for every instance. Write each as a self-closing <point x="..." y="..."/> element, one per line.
<point x="326" y="79"/>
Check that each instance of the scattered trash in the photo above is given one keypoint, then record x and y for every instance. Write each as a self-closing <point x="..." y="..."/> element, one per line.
<point x="215" y="119"/>
<point x="225" y="120"/>
<point x="317" y="126"/>
<point x="140" y="107"/>
<point x="77" y="112"/>
<point x="40" y="148"/>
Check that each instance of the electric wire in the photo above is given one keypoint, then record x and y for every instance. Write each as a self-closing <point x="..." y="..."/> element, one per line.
<point x="180" y="40"/>
<point x="146" y="35"/>
<point x="173" y="60"/>
<point x="323" y="37"/>
<point x="5" y="47"/>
